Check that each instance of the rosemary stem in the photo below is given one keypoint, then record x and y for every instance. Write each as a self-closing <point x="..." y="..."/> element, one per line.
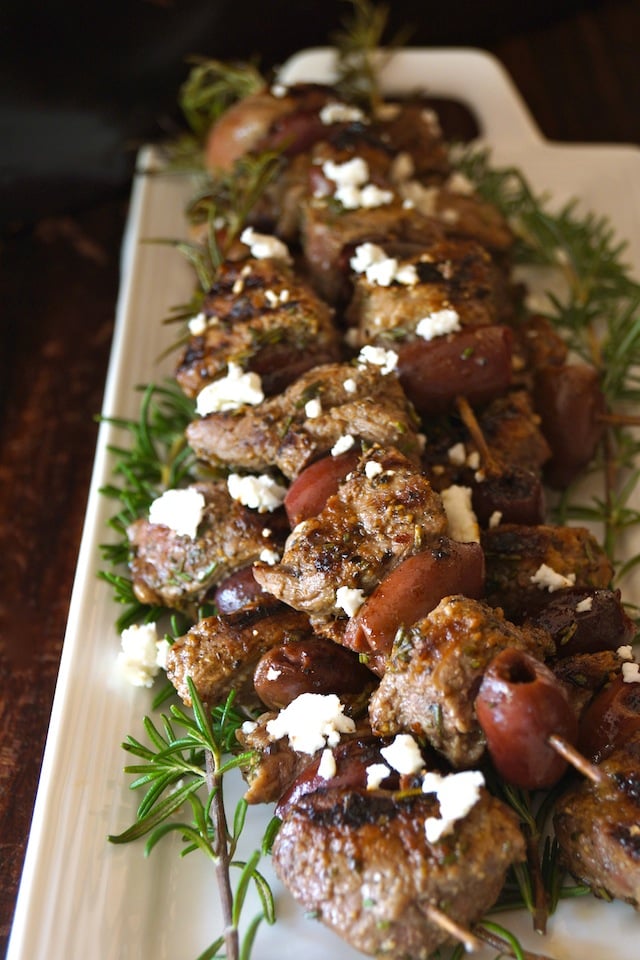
<point x="502" y="944"/>
<point x="214" y="783"/>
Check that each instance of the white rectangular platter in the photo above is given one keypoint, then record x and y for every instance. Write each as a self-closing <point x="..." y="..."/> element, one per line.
<point x="81" y="897"/>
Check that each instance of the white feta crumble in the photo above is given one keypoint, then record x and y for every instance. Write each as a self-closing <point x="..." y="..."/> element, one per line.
<point x="625" y="652"/>
<point x="350" y="386"/>
<point x="432" y="120"/>
<point x="249" y="726"/>
<point x="376" y="773"/>
<point x="142" y="654"/>
<point x="279" y="90"/>
<point x="457" y="793"/>
<point x="458" y="183"/>
<point x="424" y="199"/>
<point x="372" y="469"/>
<point x="312" y="722"/>
<point x="402" y="167"/>
<point x="473" y="460"/>
<point x="403" y="754"/>
<point x="313" y="408"/>
<point x="337" y="112"/>
<point x="495" y="519"/>
<point x="327" y="766"/>
<point x="230" y="392"/>
<point x="438" y="324"/>
<point x="342" y="444"/>
<point x="457" y="454"/>
<point x="372" y="260"/>
<point x="273" y="673"/>
<point x="631" y="672"/>
<point x="387" y="111"/>
<point x="584" y="605"/>
<point x="352" y="189"/>
<point x="462" y="523"/>
<point x="269" y="556"/>
<point x="549" y="579"/>
<point x="198" y="324"/>
<point x="349" y="599"/>
<point x="261" y="493"/>
<point x="387" y="360"/>
<point x="264" y="246"/>
<point x="180" y="510"/>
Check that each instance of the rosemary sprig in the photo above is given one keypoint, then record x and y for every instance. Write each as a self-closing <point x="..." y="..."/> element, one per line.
<point x="184" y="767"/>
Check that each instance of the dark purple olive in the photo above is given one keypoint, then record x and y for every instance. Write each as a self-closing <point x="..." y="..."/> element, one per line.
<point x="520" y="704"/>
<point x="241" y="591"/>
<point x="610" y="720"/>
<point x="585" y="621"/>
<point x="516" y="494"/>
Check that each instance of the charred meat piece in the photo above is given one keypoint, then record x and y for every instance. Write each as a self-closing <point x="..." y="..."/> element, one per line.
<point x="526" y="564"/>
<point x="177" y="571"/>
<point x="384" y="512"/>
<point x="361" y="861"/>
<point x="598" y="827"/>
<point x="261" y="316"/>
<point x="435" y="670"/>
<point x="457" y="276"/>
<point x="330" y="235"/>
<point x="585" y="621"/>
<point x="357" y="401"/>
<point x="220" y="654"/>
<point x="584" y="675"/>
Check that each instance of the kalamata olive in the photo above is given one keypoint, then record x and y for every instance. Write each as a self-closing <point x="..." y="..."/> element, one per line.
<point x="570" y="403"/>
<point x="516" y="494"/>
<point x="475" y="363"/>
<point x="414" y="588"/>
<point x="312" y="488"/>
<point x="610" y="720"/>
<point x="351" y="757"/>
<point x="308" y="666"/>
<point x="239" y="591"/>
<point x="519" y="705"/>
<point x="585" y="621"/>
<point x="241" y="128"/>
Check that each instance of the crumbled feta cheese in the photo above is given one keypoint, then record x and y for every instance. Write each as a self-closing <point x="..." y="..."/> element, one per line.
<point x="266" y="532"/>
<point x="387" y="111"/>
<point x="402" y="167"/>
<point x="273" y="674"/>
<point x="337" y="112"/>
<point x="432" y="120"/>
<point x="260" y="493"/>
<point x="457" y="793"/>
<point x="313" y="408"/>
<point x="279" y="90"/>
<point x="631" y="672"/>
<point x="372" y="469"/>
<point x="371" y="259"/>
<point x="269" y="556"/>
<point x="249" y="726"/>
<point x="180" y="510"/>
<point x="162" y="650"/>
<point x="458" y="183"/>
<point x="438" y="324"/>
<point x="142" y="654"/>
<point x="424" y="199"/>
<point x="403" y="754"/>
<point x="327" y="766"/>
<point x="312" y="722"/>
<point x="350" y="385"/>
<point x="473" y="460"/>
<point x="352" y="189"/>
<point x="549" y="579"/>
<point x="495" y="519"/>
<point x="342" y="444"/>
<point x="230" y="392"/>
<point x="457" y="454"/>
<point x="198" y="324"/>
<point x="376" y="773"/>
<point x="349" y="599"/>
<point x="462" y="522"/>
<point x="584" y="605"/>
<point x="625" y="652"/>
<point x="264" y="246"/>
<point x="272" y="298"/>
<point x="387" y="360"/>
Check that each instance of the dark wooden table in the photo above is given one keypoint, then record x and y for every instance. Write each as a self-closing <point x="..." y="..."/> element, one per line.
<point x="579" y="74"/>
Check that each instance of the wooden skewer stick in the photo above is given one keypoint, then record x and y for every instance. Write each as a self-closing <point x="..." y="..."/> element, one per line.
<point x="442" y="920"/>
<point x="499" y="943"/>
<point x="470" y="421"/>
<point x="576" y="759"/>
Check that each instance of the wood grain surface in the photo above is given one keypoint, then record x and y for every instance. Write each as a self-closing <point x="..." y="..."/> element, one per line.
<point x="579" y="74"/>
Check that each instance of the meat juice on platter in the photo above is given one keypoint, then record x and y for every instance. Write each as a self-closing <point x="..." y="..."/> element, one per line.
<point x="380" y="415"/>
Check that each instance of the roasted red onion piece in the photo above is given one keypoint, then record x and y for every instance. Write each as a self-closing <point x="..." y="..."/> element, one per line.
<point x="520" y="704"/>
<point x="515" y="493"/>
<point x="475" y="363"/>
<point x="585" y="621"/>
